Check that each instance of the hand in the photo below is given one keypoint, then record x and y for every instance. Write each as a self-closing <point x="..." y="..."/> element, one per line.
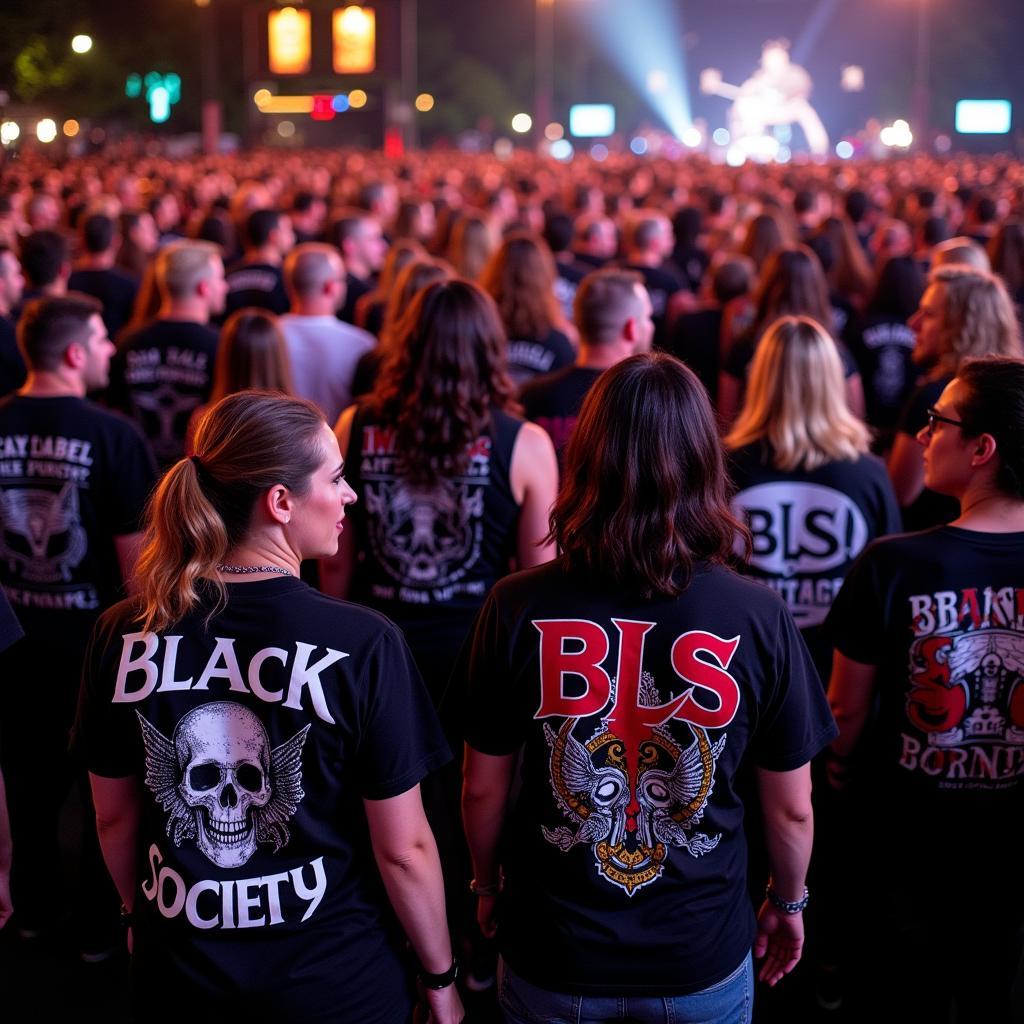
<point x="485" y="915"/>
<point x="445" y="1005"/>
<point x="6" y="909"/>
<point x="780" y="940"/>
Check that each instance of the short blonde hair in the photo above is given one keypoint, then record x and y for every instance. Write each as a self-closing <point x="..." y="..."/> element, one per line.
<point x="796" y="399"/>
<point x="182" y="265"/>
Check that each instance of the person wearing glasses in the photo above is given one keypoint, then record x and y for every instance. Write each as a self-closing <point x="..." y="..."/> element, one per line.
<point x="964" y="313"/>
<point x="928" y="692"/>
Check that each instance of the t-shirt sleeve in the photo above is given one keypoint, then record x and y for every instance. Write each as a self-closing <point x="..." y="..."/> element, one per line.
<point x="493" y="721"/>
<point x="400" y="738"/>
<point x="105" y="738"/>
<point x="856" y="621"/>
<point x="795" y="722"/>
<point x="10" y="628"/>
<point x="137" y="473"/>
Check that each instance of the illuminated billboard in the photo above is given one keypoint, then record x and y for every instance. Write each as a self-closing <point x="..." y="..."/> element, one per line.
<point x="289" y="41"/>
<point x="592" y="120"/>
<point x="354" y="34"/>
<point x="983" y="117"/>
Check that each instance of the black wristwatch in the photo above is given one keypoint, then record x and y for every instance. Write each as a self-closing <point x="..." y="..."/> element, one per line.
<point x="442" y="980"/>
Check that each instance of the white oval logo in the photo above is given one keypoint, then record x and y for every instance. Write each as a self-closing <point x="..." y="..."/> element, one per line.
<point x="800" y="528"/>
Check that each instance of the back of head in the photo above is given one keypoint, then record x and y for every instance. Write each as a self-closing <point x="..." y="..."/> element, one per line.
<point x="251" y="354"/>
<point x="644" y="229"/>
<point x="520" y="277"/>
<point x="1007" y="252"/>
<point x="733" y="277"/>
<point x="604" y="302"/>
<point x="346" y="225"/>
<point x="558" y="231"/>
<point x="181" y="266"/>
<point x="203" y="506"/>
<point x="260" y="225"/>
<point x="43" y="255"/>
<point x="899" y="288"/>
<point x="856" y="205"/>
<point x="961" y="250"/>
<point x="763" y="237"/>
<point x="644" y="492"/>
<point x="993" y="403"/>
<point x="49" y="325"/>
<point x="415" y="275"/>
<point x="796" y="399"/>
<point x="978" y="317"/>
<point x="442" y="375"/>
<point x="935" y="230"/>
<point x="686" y="225"/>
<point x="98" y="233"/>
<point x="471" y="245"/>
<point x="309" y="267"/>
<point x="792" y="283"/>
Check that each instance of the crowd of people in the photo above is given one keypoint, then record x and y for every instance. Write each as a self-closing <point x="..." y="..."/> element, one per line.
<point x="458" y="568"/>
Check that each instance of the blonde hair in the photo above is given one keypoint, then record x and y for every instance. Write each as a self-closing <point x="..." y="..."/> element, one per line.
<point x="182" y="265"/>
<point x="202" y="507"/>
<point x="796" y="399"/>
<point x="977" y="316"/>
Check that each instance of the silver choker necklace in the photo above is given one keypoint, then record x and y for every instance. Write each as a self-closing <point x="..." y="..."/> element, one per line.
<point x="245" y="570"/>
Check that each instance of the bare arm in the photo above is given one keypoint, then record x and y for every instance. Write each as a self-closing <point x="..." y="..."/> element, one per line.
<point x="855" y="395"/>
<point x="118" y="807"/>
<point x="788" y="833"/>
<point x="486" y="783"/>
<point x="534" y="479"/>
<point x="406" y="855"/>
<point x="128" y="546"/>
<point x="336" y="570"/>
<point x="906" y="469"/>
<point x="850" y="691"/>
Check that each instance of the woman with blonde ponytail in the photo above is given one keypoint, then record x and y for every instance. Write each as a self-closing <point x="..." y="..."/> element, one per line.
<point x="255" y="746"/>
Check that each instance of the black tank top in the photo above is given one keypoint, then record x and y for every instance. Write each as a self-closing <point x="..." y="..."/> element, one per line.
<point x="428" y="555"/>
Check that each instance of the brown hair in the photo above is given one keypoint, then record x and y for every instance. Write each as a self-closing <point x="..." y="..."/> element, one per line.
<point x="442" y="377"/>
<point x="521" y="279"/>
<point x="604" y="301"/>
<point x="645" y="491"/>
<point x="51" y="324"/>
<point x="470" y="245"/>
<point x="251" y="354"/>
<point x="792" y="284"/>
<point x="411" y="279"/>
<point x="202" y="507"/>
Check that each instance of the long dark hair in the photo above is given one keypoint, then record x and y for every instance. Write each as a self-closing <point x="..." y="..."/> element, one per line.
<point x="792" y="284"/>
<point x="645" y="491"/>
<point x="442" y="377"/>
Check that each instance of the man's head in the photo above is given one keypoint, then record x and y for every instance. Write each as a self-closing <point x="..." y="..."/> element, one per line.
<point x="99" y="234"/>
<point x="12" y="280"/>
<point x="192" y="272"/>
<point x="45" y="258"/>
<point x="360" y="240"/>
<point x="308" y="211"/>
<point x="612" y="307"/>
<point x="269" y="229"/>
<point x="65" y="334"/>
<point x="734" y="276"/>
<point x="648" y="236"/>
<point x="43" y="212"/>
<point x="315" y="275"/>
<point x="596" y="236"/>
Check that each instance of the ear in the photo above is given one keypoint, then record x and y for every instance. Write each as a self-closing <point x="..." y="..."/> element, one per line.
<point x="279" y="504"/>
<point x="75" y="355"/>
<point x="629" y="329"/>
<point x="984" y="450"/>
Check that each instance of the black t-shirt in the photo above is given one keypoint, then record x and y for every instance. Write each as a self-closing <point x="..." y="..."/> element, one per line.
<point x="72" y="477"/>
<point x="160" y="374"/>
<point x="567" y="280"/>
<point x="695" y="338"/>
<point x="531" y="357"/>
<point x="808" y="527"/>
<point x="256" y="284"/>
<point x="12" y="365"/>
<point x="929" y="508"/>
<point x="355" y="289"/>
<point x="624" y="854"/>
<point x="941" y="614"/>
<point x="256" y="739"/>
<point x="554" y="401"/>
<point x="115" y="288"/>
<point x="427" y="556"/>
<point x="881" y="346"/>
<point x="10" y="628"/>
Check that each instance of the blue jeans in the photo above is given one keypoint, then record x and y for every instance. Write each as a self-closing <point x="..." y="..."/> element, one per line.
<point x="729" y="1001"/>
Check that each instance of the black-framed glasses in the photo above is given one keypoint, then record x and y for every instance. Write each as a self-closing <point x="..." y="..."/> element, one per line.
<point x="936" y="417"/>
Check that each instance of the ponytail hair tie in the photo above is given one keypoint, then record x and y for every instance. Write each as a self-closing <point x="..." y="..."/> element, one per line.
<point x="201" y="470"/>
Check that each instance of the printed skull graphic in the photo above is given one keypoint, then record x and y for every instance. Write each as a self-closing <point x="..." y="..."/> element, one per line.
<point x="630" y="824"/>
<point x="221" y="783"/>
